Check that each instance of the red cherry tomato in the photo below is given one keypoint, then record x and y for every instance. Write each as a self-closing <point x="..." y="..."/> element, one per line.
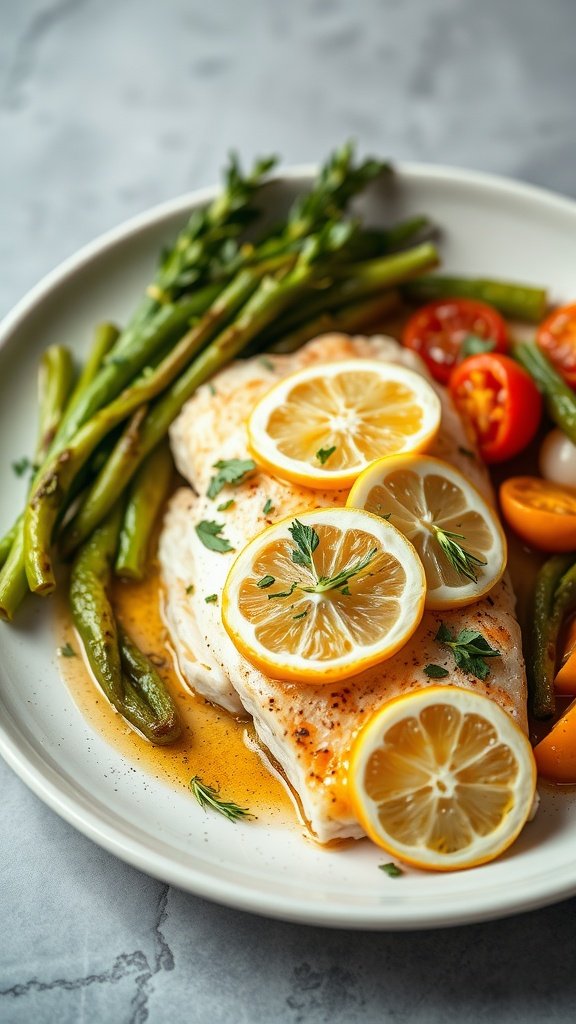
<point x="556" y="338"/>
<point x="500" y="402"/>
<point x="438" y="331"/>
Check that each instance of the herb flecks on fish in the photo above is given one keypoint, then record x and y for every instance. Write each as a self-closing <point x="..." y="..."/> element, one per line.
<point x="230" y="471"/>
<point x="470" y="649"/>
<point x="208" y="532"/>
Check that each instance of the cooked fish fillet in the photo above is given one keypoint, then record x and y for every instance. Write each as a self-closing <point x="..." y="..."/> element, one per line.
<point x="307" y="728"/>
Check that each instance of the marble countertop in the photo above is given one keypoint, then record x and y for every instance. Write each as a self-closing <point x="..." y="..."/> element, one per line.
<point x="109" y="106"/>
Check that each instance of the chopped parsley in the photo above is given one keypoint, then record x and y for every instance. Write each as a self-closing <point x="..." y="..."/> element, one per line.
<point x="67" y="651"/>
<point x="209" y="533"/>
<point x="225" y="505"/>
<point x="230" y="471"/>
<point x="435" y="671"/>
<point x="190" y="588"/>
<point x="391" y="869"/>
<point x="323" y="454"/>
<point x="301" y="615"/>
<point x="268" y="507"/>
<point x="22" y="466"/>
<point x="211" y="599"/>
<point x="266" y="581"/>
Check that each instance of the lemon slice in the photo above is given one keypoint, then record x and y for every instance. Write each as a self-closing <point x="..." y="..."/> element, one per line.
<point x="442" y="778"/>
<point x="323" y="425"/>
<point x="455" y="532"/>
<point x="321" y="596"/>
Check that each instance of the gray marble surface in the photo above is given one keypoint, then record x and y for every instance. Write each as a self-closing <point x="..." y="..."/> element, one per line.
<point x="108" y="106"/>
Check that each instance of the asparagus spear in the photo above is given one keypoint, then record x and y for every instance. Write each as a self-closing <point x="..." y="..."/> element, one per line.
<point x="148" y="492"/>
<point x="518" y="301"/>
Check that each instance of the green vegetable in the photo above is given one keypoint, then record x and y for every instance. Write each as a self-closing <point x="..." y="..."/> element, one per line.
<point x="230" y="471"/>
<point x="560" y="399"/>
<point x="470" y="649"/>
<point x="517" y="301"/>
<point x="268" y="507"/>
<point x="225" y="505"/>
<point x="146" y="699"/>
<point x="554" y="597"/>
<point x="211" y="599"/>
<point x="148" y="492"/>
<point x="128" y="680"/>
<point x="209" y="533"/>
<point x="474" y="345"/>
<point x="208" y="796"/>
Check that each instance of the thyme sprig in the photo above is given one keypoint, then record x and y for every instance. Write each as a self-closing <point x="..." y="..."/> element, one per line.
<point x="208" y="796"/>
<point x="463" y="561"/>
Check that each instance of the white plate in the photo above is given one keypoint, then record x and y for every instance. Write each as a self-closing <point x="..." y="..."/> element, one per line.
<point x="491" y="227"/>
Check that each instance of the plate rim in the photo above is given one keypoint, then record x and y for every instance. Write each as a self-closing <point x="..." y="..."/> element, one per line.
<point x="119" y="842"/>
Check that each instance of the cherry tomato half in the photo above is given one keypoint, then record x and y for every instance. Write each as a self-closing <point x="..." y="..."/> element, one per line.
<point x="542" y="513"/>
<point x="556" y="337"/>
<point x="499" y="401"/>
<point x="438" y="331"/>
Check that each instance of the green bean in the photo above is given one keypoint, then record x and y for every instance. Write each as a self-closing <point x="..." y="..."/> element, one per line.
<point x="105" y="337"/>
<point x="554" y="595"/>
<point x="55" y="375"/>
<point x="517" y="301"/>
<point x="146" y="695"/>
<point x="141" y="698"/>
<point x="560" y="399"/>
<point x="147" y="494"/>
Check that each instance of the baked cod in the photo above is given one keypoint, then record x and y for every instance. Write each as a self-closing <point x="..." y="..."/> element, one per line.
<point x="307" y="728"/>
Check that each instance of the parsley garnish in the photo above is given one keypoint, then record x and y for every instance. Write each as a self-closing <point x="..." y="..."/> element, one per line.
<point x="301" y="615"/>
<point x="208" y="532"/>
<point x="225" y="505"/>
<point x="67" y="651"/>
<point x="211" y="388"/>
<point x="190" y="588"/>
<point x="463" y="561"/>
<point x="211" y="599"/>
<point x="230" y="471"/>
<point x="391" y="869"/>
<point x="306" y="540"/>
<point x="267" y="363"/>
<point x="435" y="671"/>
<point x="266" y="581"/>
<point x="208" y="796"/>
<point x="470" y="650"/>
<point x="323" y="454"/>
<point x="268" y="507"/>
